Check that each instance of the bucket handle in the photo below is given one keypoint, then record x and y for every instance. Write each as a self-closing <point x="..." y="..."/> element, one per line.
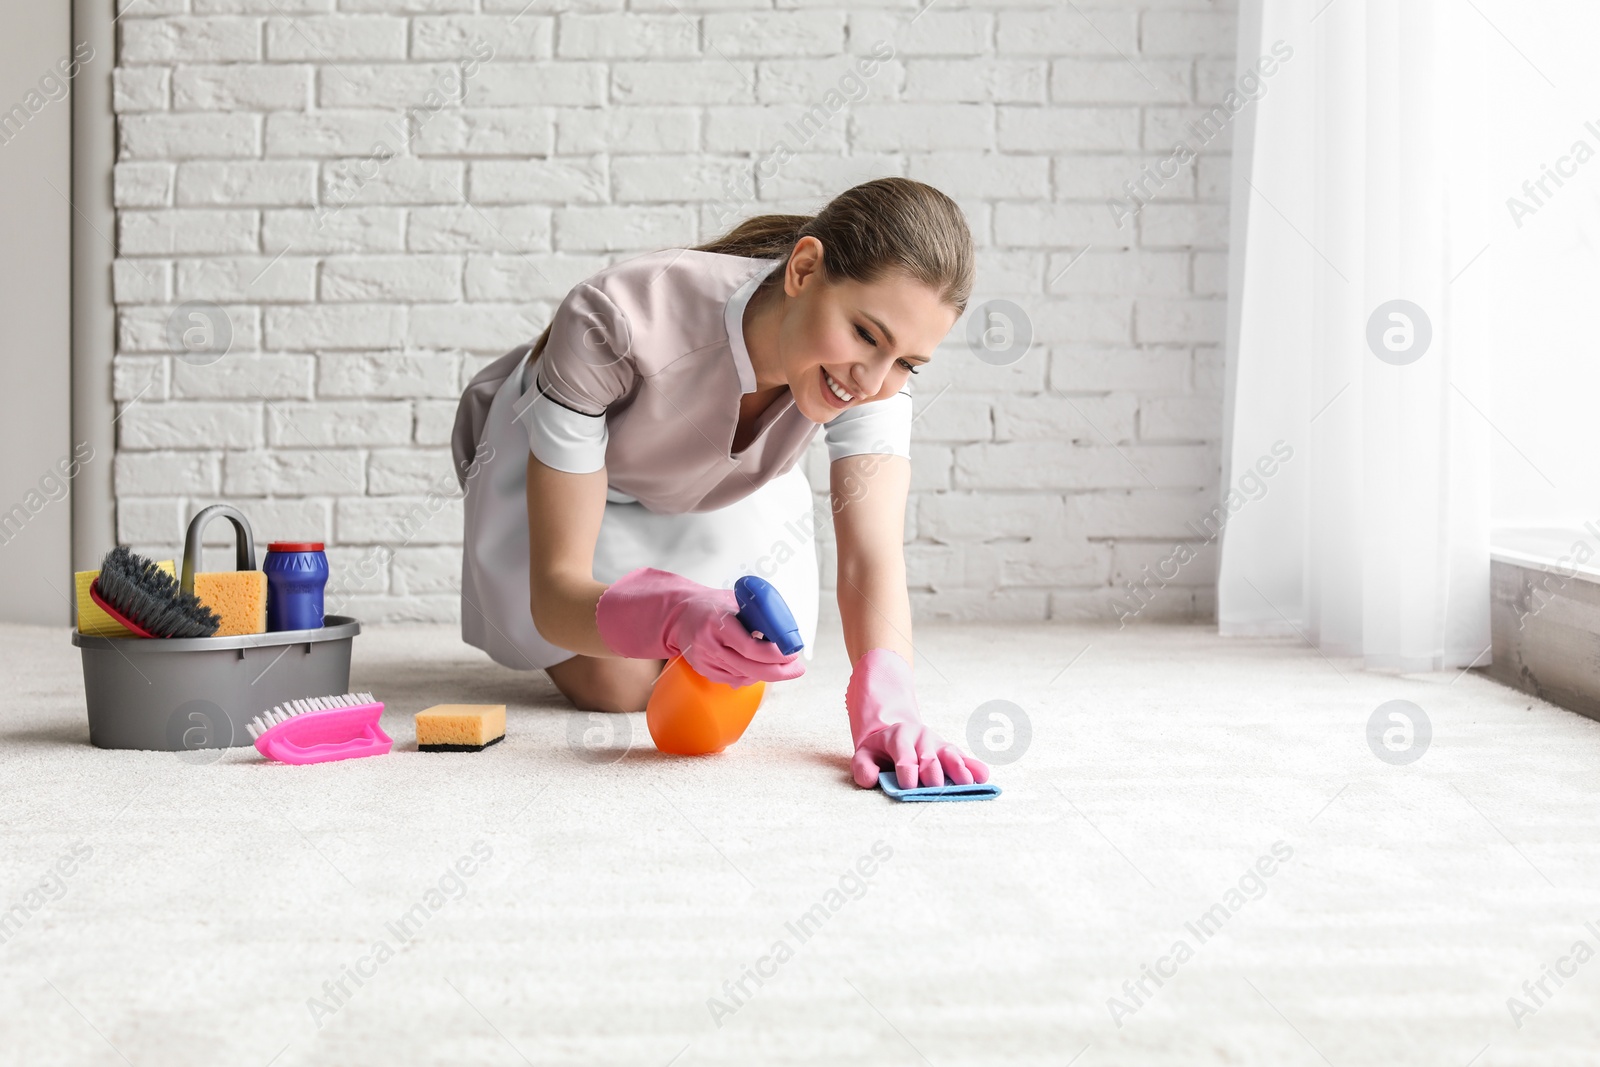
<point x="244" y="542"/>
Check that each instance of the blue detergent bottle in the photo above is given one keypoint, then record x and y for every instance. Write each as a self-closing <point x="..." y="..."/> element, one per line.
<point x="297" y="574"/>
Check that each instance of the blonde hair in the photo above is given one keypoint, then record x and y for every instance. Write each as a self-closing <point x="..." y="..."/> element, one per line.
<point x="878" y="228"/>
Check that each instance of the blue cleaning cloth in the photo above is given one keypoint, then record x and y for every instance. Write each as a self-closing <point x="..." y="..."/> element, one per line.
<point x="928" y="793"/>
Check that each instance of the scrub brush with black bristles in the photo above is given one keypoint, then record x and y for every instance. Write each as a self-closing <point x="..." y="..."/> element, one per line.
<point x="148" y="600"/>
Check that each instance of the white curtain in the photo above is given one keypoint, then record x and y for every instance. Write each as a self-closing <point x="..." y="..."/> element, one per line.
<point x="1354" y="185"/>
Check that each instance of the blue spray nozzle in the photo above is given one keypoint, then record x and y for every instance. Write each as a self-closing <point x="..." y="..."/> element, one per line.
<point x="765" y="615"/>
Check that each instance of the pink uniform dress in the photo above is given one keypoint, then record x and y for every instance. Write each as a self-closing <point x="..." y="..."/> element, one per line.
<point x="642" y="376"/>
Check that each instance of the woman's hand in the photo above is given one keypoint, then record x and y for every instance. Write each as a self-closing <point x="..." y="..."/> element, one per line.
<point x="651" y="614"/>
<point x="888" y="731"/>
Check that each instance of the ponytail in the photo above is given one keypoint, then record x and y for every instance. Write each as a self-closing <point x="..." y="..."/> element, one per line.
<point x="886" y="226"/>
<point x="882" y="227"/>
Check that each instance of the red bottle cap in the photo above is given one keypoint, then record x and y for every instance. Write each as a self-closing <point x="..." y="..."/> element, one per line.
<point x="294" y="546"/>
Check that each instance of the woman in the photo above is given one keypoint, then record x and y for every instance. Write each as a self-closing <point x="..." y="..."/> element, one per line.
<point x="643" y="453"/>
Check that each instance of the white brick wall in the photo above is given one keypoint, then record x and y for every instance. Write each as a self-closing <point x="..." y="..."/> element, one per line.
<point x="363" y="292"/>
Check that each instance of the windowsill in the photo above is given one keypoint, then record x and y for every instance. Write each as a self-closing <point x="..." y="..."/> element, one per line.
<point x="1549" y="548"/>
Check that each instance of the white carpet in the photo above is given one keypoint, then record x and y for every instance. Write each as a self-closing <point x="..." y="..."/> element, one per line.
<point x="209" y="903"/>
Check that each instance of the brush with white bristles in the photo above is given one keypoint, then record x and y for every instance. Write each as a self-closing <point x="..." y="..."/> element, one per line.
<point x="318" y="729"/>
<point x="286" y="711"/>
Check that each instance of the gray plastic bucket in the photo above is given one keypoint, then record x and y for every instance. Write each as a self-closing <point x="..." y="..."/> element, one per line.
<point x="184" y="693"/>
<point x="180" y="694"/>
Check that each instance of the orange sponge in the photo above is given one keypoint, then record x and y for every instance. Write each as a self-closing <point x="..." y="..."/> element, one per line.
<point x="238" y="597"/>
<point x="460" y="727"/>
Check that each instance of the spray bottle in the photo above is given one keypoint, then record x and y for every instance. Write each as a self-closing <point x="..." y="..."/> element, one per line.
<point x="690" y="715"/>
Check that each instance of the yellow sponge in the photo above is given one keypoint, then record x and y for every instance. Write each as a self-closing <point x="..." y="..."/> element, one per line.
<point x="92" y="619"/>
<point x="460" y="727"/>
<point x="238" y="597"/>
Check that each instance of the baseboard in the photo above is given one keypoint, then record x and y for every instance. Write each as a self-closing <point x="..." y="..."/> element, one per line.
<point x="1544" y="619"/>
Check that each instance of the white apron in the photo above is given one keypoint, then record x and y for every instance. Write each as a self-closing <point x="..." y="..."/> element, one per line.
<point x="770" y="533"/>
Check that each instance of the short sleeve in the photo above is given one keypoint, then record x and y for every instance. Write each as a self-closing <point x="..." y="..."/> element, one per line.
<point x="882" y="427"/>
<point x="585" y="368"/>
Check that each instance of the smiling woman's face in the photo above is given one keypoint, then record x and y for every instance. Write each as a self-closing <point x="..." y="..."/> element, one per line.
<point x="843" y="344"/>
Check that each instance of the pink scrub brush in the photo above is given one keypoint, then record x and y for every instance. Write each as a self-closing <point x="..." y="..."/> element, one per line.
<point x="320" y="729"/>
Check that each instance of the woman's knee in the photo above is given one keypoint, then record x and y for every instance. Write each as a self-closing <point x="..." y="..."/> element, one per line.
<point x="616" y="685"/>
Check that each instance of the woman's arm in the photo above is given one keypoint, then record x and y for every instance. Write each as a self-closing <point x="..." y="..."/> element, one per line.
<point x="886" y="727"/>
<point x="869" y="519"/>
<point x="564" y="513"/>
<point x="647" y="614"/>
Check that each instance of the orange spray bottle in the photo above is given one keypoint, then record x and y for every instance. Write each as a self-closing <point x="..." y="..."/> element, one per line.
<point x="690" y="715"/>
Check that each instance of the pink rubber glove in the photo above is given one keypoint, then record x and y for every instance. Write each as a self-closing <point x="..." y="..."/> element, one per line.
<point x="651" y="614"/>
<point x="887" y="729"/>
